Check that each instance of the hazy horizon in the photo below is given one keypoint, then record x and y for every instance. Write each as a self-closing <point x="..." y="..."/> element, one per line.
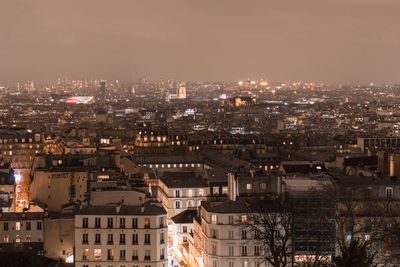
<point x="331" y="41"/>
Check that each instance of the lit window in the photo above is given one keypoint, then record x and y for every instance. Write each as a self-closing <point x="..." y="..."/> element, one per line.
<point x="17" y="226"/>
<point x="214" y="219"/>
<point x="248" y="186"/>
<point x="97" y="254"/>
<point x="244" y="219"/>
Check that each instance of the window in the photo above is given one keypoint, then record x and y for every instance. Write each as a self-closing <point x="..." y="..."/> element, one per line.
<point x="135" y="254"/>
<point x="190" y="203"/>
<point x="17" y="239"/>
<point x="214" y="219"/>
<point x="134" y="239"/>
<point x="161" y="222"/>
<point x="97" y="254"/>
<point x="97" y="239"/>
<point x="122" y="254"/>
<point x="97" y="222"/>
<point x="134" y="223"/>
<point x="146" y="222"/>
<point x="244" y="234"/>
<point x="39" y="226"/>
<point x="368" y="193"/>
<point x="230" y="219"/>
<point x="109" y="222"/>
<point x="214" y="233"/>
<point x="110" y="254"/>
<point x="28" y="238"/>
<point x="249" y="186"/>
<point x="190" y="193"/>
<point x="177" y="204"/>
<point x="147" y="238"/>
<point x="122" y="239"/>
<point x="230" y="234"/>
<point x="231" y="264"/>
<point x="201" y="193"/>
<point x="214" y="249"/>
<point x="85" y="254"/>
<point x="184" y="229"/>
<point x="177" y="193"/>
<point x="162" y="238"/>
<point x="85" y="239"/>
<point x="28" y="226"/>
<point x="244" y="250"/>
<point x="147" y="254"/>
<point x="110" y="238"/>
<point x="389" y="192"/>
<point x="263" y="186"/>
<point x="6" y="240"/>
<point x="184" y="239"/>
<point x="256" y="251"/>
<point x="17" y="226"/>
<point x="215" y="190"/>
<point x="244" y="219"/>
<point x="85" y="222"/>
<point x="122" y="223"/>
<point x="231" y="251"/>
<point x="224" y="190"/>
<point x="5" y="226"/>
<point x="162" y="254"/>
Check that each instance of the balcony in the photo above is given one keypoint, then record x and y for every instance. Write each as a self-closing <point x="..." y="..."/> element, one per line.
<point x="146" y="258"/>
<point x="135" y="258"/>
<point x="97" y="242"/>
<point x="110" y="242"/>
<point x="162" y="257"/>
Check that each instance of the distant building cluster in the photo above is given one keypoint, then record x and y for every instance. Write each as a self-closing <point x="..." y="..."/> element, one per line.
<point x="97" y="173"/>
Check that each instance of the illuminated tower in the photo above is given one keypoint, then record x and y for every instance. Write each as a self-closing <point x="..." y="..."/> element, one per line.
<point x="181" y="94"/>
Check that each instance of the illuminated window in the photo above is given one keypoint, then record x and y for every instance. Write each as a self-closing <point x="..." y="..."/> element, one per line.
<point x="85" y="254"/>
<point x="146" y="222"/>
<point x="244" y="219"/>
<point x="190" y="193"/>
<point x="214" y="219"/>
<point x="6" y="239"/>
<point x="215" y="190"/>
<point x="17" y="226"/>
<point x="225" y="190"/>
<point x="201" y="192"/>
<point x="97" y="254"/>
<point x="249" y="186"/>
<point x="28" y="238"/>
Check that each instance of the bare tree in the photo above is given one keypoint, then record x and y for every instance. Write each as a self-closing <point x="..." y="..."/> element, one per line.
<point x="271" y="223"/>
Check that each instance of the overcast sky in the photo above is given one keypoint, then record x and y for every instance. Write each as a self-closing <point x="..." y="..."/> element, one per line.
<point x="308" y="40"/>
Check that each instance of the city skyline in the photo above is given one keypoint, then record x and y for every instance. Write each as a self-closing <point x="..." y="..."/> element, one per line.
<point x="335" y="42"/>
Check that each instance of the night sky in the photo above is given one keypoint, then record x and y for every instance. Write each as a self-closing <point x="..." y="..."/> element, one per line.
<point x="338" y="41"/>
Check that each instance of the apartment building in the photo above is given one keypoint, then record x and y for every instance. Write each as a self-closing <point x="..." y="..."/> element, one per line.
<point x="179" y="191"/>
<point x="121" y="236"/>
<point x="220" y="238"/>
<point x="22" y="231"/>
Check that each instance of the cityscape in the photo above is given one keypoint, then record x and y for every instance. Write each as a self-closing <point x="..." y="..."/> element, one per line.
<point x="199" y="144"/>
